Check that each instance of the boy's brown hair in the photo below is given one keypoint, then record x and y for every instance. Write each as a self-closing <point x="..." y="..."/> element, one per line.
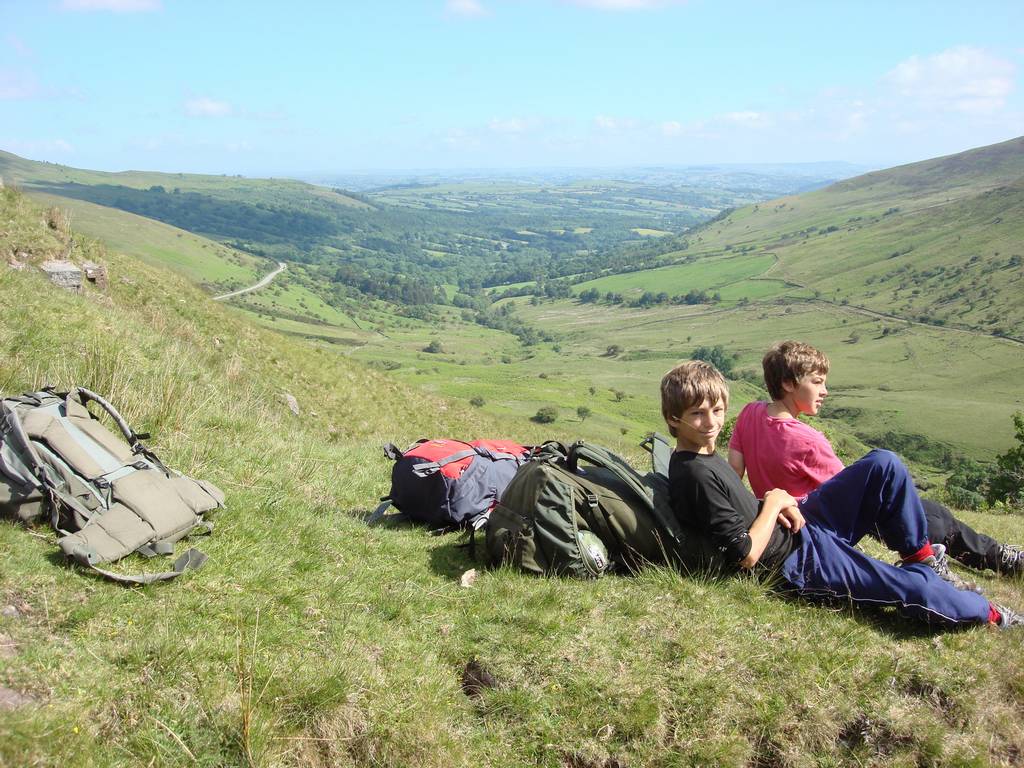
<point x="689" y="384"/>
<point x="791" y="361"/>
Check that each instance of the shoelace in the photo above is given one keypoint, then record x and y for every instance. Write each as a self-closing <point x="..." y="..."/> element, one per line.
<point x="939" y="563"/>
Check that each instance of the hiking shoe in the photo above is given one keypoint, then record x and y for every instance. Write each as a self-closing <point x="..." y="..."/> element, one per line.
<point x="939" y="563"/>
<point x="1011" y="559"/>
<point x="1008" y="617"/>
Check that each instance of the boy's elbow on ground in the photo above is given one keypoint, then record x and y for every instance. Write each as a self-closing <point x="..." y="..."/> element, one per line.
<point x="748" y="562"/>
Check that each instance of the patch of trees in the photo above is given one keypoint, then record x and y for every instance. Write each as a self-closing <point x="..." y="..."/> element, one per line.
<point x="649" y="298"/>
<point x="206" y="214"/>
<point x="503" y="319"/>
<point x="717" y="356"/>
<point x="390" y="287"/>
<point x="972" y="485"/>
<point x="545" y="415"/>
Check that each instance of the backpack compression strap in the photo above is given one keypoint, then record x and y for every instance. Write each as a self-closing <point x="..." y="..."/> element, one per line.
<point x="191" y="560"/>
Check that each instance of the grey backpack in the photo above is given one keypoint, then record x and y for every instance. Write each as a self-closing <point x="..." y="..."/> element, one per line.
<point x="106" y="495"/>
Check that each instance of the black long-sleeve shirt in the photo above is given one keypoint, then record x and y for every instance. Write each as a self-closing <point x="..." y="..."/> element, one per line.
<point x="708" y="495"/>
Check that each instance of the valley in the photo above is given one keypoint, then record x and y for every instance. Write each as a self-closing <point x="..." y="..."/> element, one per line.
<point x="909" y="278"/>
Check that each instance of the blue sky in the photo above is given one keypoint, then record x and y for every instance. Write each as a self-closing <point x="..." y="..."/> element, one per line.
<point x="271" y="88"/>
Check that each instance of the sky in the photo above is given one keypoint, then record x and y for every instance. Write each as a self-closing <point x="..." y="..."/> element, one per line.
<point x="312" y="88"/>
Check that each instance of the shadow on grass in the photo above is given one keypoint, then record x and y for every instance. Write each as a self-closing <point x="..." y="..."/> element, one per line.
<point x="886" y="621"/>
<point x="454" y="557"/>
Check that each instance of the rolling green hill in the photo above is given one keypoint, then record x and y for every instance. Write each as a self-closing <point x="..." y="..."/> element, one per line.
<point x="310" y="639"/>
<point x="937" y="242"/>
<point x="204" y="261"/>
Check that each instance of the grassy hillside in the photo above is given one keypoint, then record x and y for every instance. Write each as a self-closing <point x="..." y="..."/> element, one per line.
<point x="203" y="261"/>
<point x="937" y="242"/>
<point x="310" y="639"/>
<point x="32" y="174"/>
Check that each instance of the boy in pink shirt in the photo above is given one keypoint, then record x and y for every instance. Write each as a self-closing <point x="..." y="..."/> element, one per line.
<point x="776" y="450"/>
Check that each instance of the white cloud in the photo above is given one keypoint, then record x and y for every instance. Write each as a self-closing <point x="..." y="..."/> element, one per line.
<point x="624" y="5"/>
<point x="19" y="46"/>
<point x="241" y="145"/>
<point x="510" y="126"/>
<point x="460" y="139"/>
<point x="671" y="128"/>
<point x="204" y="106"/>
<point x="38" y="148"/>
<point x="747" y="117"/>
<point x="116" y="6"/>
<point x="17" y="85"/>
<point x="466" y="8"/>
<point x="609" y="124"/>
<point x="960" y="79"/>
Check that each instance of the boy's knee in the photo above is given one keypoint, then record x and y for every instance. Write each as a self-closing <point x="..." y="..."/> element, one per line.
<point x="886" y="460"/>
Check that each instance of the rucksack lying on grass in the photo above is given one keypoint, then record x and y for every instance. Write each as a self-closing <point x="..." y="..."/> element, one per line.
<point x="107" y="495"/>
<point x="551" y="512"/>
<point x="450" y="484"/>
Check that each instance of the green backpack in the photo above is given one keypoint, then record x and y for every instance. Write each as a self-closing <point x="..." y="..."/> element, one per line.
<point x="107" y="495"/>
<point x="543" y="522"/>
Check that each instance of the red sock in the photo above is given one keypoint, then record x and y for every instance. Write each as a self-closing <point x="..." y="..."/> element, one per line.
<point x="993" y="614"/>
<point x="921" y="554"/>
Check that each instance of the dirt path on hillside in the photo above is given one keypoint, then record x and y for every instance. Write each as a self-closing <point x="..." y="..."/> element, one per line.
<point x="897" y="318"/>
<point x="281" y="267"/>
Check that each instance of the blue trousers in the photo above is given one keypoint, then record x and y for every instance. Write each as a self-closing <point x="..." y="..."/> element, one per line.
<point x="874" y="495"/>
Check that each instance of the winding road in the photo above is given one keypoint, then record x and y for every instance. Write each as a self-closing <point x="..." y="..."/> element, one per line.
<point x="281" y="267"/>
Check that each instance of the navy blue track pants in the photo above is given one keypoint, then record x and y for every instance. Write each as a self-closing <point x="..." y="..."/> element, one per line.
<point x="874" y="495"/>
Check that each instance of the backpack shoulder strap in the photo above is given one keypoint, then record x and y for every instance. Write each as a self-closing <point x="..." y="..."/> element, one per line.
<point x="604" y="458"/>
<point x="12" y="426"/>
<point x="83" y="396"/>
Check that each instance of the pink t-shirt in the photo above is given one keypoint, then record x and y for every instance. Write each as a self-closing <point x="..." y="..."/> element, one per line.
<point x="782" y="453"/>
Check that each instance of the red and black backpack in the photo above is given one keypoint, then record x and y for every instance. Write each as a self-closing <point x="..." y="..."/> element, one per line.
<point x="450" y="484"/>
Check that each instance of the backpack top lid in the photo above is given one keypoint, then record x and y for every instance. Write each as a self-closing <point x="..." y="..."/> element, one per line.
<point x="454" y="456"/>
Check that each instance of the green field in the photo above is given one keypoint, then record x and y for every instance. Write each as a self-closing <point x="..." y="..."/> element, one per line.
<point x="30" y="175"/>
<point x="203" y="261"/>
<point x="934" y="241"/>
<point x="707" y="274"/>
<point x="952" y="386"/>
<point x="897" y="382"/>
<point x="284" y="297"/>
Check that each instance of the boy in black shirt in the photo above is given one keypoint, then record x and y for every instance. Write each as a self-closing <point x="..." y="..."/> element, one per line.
<point x="811" y="543"/>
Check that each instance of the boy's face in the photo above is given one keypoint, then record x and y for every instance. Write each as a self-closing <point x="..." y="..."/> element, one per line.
<point x="697" y="427"/>
<point x="807" y="394"/>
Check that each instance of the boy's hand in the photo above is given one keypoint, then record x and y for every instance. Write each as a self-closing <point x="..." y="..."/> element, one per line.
<point x="783" y="498"/>
<point x="791" y="518"/>
<point x="789" y="513"/>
